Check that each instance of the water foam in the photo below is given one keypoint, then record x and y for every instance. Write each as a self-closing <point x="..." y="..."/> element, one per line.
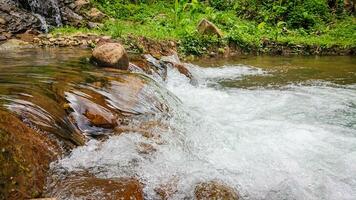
<point x="295" y="142"/>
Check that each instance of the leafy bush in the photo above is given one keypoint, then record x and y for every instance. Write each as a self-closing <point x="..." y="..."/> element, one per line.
<point x="297" y="13"/>
<point x="221" y="4"/>
<point x="194" y="44"/>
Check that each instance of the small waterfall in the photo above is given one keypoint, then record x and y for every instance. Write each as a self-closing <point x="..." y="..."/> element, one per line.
<point x="44" y="25"/>
<point x="57" y="17"/>
<point x="46" y="10"/>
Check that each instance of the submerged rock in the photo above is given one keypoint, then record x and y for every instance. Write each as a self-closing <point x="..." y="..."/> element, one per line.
<point x="111" y="55"/>
<point x="167" y="190"/>
<point x="146" y="148"/>
<point x="100" y="118"/>
<point x="215" y="190"/>
<point x="86" y="186"/>
<point x="206" y="27"/>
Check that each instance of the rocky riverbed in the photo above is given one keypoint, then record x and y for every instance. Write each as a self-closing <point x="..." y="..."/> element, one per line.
<point x="115" y="102"/>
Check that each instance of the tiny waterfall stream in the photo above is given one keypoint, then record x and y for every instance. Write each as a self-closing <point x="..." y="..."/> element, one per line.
<point x="271" y="128"/>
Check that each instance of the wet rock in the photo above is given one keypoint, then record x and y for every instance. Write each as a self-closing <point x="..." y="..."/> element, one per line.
<point x="100" y="119"/>
<point x="95" y="110"/>
<point x="206" y="27"/>
<point x="25" y="156"/>
<point x="86" y="186"/>
<point x="95" y="15"/>
<point x="215" y="190"/>
<point x="111" y="55"/>
<point x="49" y="11"/>
<point x="13" y="44"/>
<point x="183" y="70"/>
<point x="149" y="65"/>
<point x="175" y="63"/>
<point x="167" y="190"/>
<point x="146" y="148"/>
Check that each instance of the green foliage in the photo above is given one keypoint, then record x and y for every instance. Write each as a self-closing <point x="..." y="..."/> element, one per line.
<point x="193" y="44"/>
<point x="298" y="13"/>
<point x="222" y="4"/>
<point x="245" y="23"/>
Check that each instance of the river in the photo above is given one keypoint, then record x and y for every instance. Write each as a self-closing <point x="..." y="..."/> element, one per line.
<point x="270" y="127"/>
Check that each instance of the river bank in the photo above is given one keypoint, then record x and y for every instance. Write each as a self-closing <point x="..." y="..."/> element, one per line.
<point x="158" y="48"/>
<point x="160" y="27"/>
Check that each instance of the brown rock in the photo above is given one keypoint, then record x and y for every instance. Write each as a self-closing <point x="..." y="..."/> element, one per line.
<point x="100" y="119"/>
<point x="145" y="148"/>
<point x="2" y="21"/>
<point x="25" y="156"/>
<point x="206" y="27"/>
<point x="183" y="70"/>
<point x="95" y="15"/>
<point x="87" y="186"/>
<point x="81" y="4"/>
<point x="167" y="190"/>
<point x="2" y="38"/>
<point x="36" y="40"/>
<point x="111" y="55"/>
<point x="215" y="190"/>
<point x="13" y="44"/>
<point x="7" y="35"/>
<point x="175" y="61"/>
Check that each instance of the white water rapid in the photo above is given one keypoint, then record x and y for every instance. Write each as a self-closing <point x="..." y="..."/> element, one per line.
<point x="290" y="142"/>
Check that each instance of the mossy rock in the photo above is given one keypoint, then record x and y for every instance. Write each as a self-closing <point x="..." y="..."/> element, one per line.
<point x="25" y="156"/>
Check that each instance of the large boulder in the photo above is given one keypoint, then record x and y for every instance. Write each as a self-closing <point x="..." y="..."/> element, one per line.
<point x="111" y="55"/>
<point x="25" y="156"/>
<point x="206" y="27"/>
<point x="215" y="190"/>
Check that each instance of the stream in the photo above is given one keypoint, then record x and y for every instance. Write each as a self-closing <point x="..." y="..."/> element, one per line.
<point x="272" y="128"/>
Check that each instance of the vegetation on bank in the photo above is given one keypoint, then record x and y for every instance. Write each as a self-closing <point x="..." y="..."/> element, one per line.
<point x="246" y="24"/>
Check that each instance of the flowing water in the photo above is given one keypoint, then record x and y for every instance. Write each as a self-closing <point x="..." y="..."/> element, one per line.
<point x="270" y="127"/>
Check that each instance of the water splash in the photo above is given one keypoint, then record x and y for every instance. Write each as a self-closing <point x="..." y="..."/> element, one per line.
<point x="292" y="141"/>
<point x="287" y="143"/>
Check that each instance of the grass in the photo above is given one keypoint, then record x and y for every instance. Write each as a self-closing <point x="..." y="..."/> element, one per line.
<point x="166" y="21"/>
